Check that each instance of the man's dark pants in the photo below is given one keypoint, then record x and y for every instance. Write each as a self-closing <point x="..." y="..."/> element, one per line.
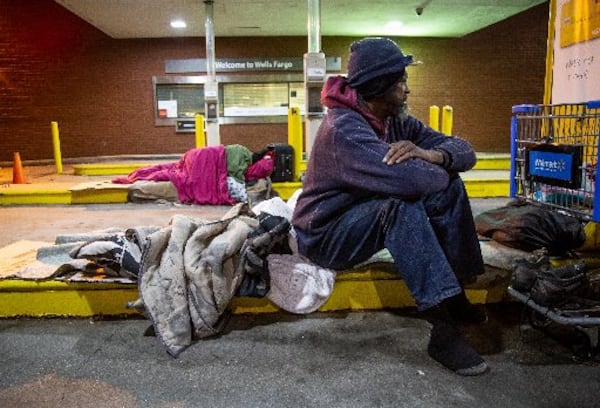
<point x="433" y="241"/>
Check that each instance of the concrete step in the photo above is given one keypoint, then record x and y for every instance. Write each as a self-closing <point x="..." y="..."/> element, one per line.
<point x="91" y="183"/>
<point x="485" y="161"/>
<point x="374" y="288"/>
<point x="479" y="184"/>
<point x="368" y="289"/>
<point x="492" y="161"/>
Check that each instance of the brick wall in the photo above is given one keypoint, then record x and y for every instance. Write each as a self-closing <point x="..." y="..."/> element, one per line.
<point x="56" y="67"/>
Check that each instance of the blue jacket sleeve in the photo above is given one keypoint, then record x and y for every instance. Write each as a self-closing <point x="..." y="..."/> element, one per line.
<point x="356" y="161"/>
<point x="460" y="153"/>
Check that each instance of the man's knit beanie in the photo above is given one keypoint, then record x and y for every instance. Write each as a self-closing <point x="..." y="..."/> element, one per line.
<point x="375" y="65"/>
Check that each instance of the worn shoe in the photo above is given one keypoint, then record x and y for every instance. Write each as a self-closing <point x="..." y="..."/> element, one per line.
<point x="525" y="271"/>
<point x="557" y="285"/>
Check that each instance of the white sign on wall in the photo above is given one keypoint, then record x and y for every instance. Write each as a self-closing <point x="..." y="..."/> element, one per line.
<point x="167" y="109"/>
<point x="576" y="67"/>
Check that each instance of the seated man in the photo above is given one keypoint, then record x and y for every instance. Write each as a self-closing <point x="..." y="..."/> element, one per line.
<point x="379" y="178"/>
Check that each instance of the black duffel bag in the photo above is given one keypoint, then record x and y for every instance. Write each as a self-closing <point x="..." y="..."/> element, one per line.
<point x="529" y="227"/>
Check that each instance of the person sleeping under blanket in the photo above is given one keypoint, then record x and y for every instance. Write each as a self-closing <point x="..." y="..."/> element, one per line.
<point x="214" y="175"/>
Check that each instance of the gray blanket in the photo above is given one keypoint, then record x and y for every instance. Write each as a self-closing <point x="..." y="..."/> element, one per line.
<point x="189" y="273"/>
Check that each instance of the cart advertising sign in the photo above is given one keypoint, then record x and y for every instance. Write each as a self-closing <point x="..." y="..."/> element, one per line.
<point x="557" y="165"/>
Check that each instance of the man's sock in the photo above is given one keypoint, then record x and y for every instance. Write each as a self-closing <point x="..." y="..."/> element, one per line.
<point x="463" y="311"/>
<point x="447" y="346"/>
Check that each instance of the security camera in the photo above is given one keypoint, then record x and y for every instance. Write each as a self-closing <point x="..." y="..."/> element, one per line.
<point x="419" y="11"/>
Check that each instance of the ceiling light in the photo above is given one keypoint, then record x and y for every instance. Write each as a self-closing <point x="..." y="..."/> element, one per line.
<point x="178" y="24"/>
<point x="393" y="27"/>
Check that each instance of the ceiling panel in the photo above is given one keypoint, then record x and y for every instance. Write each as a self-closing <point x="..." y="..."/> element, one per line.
<point x="241" y="18"/>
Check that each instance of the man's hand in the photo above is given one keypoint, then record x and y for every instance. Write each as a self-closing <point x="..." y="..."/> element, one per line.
<point x="404" y="149"/>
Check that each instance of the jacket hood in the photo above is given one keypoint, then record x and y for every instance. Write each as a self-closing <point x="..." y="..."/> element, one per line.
<point x="336" y="93"/>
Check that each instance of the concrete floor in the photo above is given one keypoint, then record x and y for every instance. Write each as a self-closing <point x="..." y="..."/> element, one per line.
<point x="358" y="359"/>
<point x="45" y="222"/>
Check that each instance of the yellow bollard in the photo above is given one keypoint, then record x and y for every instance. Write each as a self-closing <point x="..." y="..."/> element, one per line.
<point x="56" y="146"/>
<point x="295" y="139"/>
<point x="447" y="114"/>
<point x="434" y="117"/>
<point x="200" y="132"/>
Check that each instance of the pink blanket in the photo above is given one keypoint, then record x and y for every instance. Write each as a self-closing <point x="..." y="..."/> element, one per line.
<point x="200" y="176"/>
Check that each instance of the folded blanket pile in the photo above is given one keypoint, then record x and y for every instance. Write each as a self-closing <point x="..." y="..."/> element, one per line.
<point x="189" y="273"/>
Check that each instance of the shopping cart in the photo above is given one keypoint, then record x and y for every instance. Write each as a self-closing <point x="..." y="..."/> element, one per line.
<point x="554" y="155"/>
<point x="554" y="159"/>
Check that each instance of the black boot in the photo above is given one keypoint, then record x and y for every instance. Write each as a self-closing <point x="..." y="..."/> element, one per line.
<point x="558" y="285"/>
<point x="463" y="311"/>
<point x="526" y="271"/>
<point x="447" y="346"/>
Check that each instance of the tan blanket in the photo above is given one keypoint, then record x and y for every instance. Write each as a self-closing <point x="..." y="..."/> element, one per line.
<point x="189" y="273"/>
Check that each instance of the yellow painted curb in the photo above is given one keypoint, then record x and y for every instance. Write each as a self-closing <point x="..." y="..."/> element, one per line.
<point x="252" y="305"/>
<point x="57" y="298"/>
<point x="484" y="188"/>
<point x="492" y="161"/>
<point x="15" y="194"/>
<point x="476" y="188"/>
<point x="68" y="193"/>
<point x="481" y="188"/>
<point x="368" y="295"/>
<point x="107" y="169"/>
<point x="99" y="196"/>
<point x="286" y="189"/>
